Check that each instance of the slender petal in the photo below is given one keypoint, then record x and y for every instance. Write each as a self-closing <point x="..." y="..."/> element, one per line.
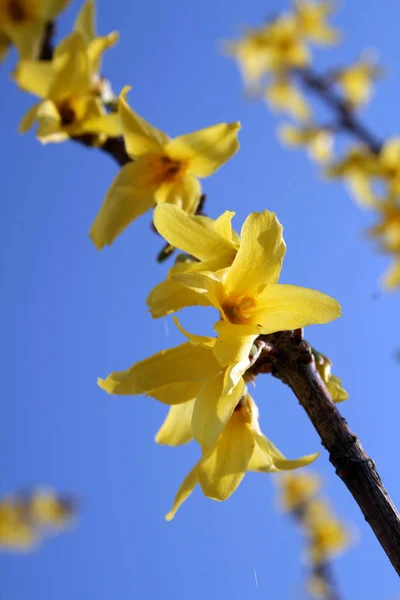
<point x="109" y="124"/>
<point x="259" y="258"/>
<point x="128" y="197"/>
<point x="391" y="279"/>
<point x="212" y="410"/>
<point x="187" y="487"/>
<point x="85" y="21"/>
<point x="73" y="76"/>
<point x="53" y="8"/>
<point x="206" y="150"/>
<point x="284" y="307"/>
<point x="196" y="235"/>
<point x="97" y="47"/>
<point x="223" y="467"/>
<point x="185" y="363"/>
<point x="49" y="123"/>
<point x="280" y="462"/>
<point x="185" y="193"/>
<point x="27" y="37"/>
<point x="35" y="76"/>
<point x="176" y="429"/>
<point x="28" y="119"/>
<point x="232" y="349"/>
<point x="139" y="136"/>
<point x="168" y="297"/>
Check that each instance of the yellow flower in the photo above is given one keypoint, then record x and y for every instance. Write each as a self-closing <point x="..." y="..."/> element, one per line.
<point x="327" y="536"/>
<point x="248" y="297"/>
<point x="333" y="383"/>
<point x="276" y="47"/>
<point x="211" y="242"/>
<point x="388" y="234"/>
<point x="24" y="519"/>
<point x="70" y="87"/>
<point x="358" y="168"/>
<point x="283" y="95"/>
<point x="389" y="164"/>
<point x="297" y="489"/>
<point x="23" y="24"/>
<point x="240" y="447"/>
<point x="164" y="170"/>
<point x="319" y="142"/>
<point x="357" y="80"/>
<point x="310" y="18"/>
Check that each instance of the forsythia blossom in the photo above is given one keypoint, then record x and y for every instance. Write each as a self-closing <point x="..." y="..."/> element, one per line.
<point x="26" y="518"/>
<point x="70" y="86"/>
<point x="318" y="141"/>
<point x="23" y="23"/>
<point x="164" y="170"/>
<point x="356" y="82"/>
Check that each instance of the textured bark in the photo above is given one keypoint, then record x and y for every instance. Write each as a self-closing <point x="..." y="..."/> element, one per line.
<point x="288" y="357"/>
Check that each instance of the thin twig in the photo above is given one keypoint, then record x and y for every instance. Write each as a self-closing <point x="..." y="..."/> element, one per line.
<point x="346" y="119"/>
<point x="292" y="362"/>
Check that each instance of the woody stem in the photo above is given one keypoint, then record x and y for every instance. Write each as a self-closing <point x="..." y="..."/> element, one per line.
<point x="292" y="361"/>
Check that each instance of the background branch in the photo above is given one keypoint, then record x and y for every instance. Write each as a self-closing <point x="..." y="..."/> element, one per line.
<point x="346" y="119"/>
<point x="290" y="359"/>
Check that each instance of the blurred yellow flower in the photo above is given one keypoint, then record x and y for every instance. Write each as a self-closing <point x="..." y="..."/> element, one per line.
<point x="284" y="96"/>
<point x="297" y="489"/>
<point x="240" y="447"/>
<point x="25" y="518"/>
<point x="356" y="82"/>
<point x="317" y="141"/>
<point x="163" y="170"/>
<point x="310" y="18"/>
<point x="276" y="47"/>
<point x="23" y="24"/>
<point x="333" y="383"/>
<point x="358" y="168"/>
<point x="387" y="233"/>
<point x="70" y="86"/>
<point x="327" y="536"/>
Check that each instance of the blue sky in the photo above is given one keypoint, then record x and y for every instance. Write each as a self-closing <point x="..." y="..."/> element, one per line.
<point x="71" y="314"/>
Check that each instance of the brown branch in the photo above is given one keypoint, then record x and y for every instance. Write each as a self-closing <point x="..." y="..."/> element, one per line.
<point x="290" y="359"/>
<point x="346" y="119"/>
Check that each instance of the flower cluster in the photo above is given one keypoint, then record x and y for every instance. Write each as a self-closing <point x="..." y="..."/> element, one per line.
<point x="204" y="379"/>
<point x="26" y="518"/>
<point x="326" y="536"/>
<point x="276" y="62"/>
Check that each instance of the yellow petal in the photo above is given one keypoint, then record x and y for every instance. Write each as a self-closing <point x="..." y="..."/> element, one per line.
<point x="195" y="235"/>
<point x="97" y="47"/>
<point x="176" y="429"/>
<point x="185" y="363"/>
<point x="140" y="137"/>
<point x="35" y="76"/>
<point x="49" y="123"/>
<point x="223" y="467"/>
<point x="185" y="193"/>
<point x="85" y="21"/>
<point x="391" y="279"/>
<point x="259" y="258"/>
<point x="206" y="150"/>
<point x="109" y="124"/>
<point x="232" y="349"/>
<point x="27" y="37"/>
<point x="212" y="410"/>
<point x="223" y="226"/>
<point x="28" y="119"/>
<point x="285" y="307"/>
<point x="187" y="487"/>
<point x="207" y="284"/>
<point x="54" y="7"/>
<point x="202" y="340"/>
<point x="280" y="462"/>
<point x="73" y="77"/>
<point x="169" y="296"/>
<point x="128" y="197"/>
<point x="284" y="96"/>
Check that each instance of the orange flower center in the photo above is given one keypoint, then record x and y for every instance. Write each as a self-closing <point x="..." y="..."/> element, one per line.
<point x="241" y="310"/>
<point x="166" y="169"/>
